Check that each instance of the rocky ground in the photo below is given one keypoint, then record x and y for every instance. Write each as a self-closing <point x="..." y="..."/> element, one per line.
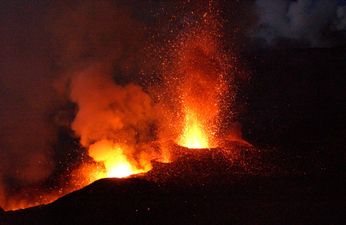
<point x="202" y="187"/>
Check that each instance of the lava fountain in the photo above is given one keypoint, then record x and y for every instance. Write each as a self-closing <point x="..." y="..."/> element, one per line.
<point x="199" y="73"/>
<point x="193" y="135"/>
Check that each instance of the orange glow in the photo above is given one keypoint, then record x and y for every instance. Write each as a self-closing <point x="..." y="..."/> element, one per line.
<point x="115" y="162"/>
<point x="199" y="71"/>
<point x="194" y="134"/>
<point x="120" y="169"/>
<point x="115" y="122"/>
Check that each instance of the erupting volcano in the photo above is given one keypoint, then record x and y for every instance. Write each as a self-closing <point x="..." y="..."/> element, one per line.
<point x="131" y="112"/>
<point x="197" y="77"/>
<point x="124" y="130"/>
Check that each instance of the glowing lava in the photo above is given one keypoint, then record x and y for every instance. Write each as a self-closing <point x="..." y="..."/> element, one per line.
<point x="122" y="169"/>
<point x="117" y="123"/>
<point x="194" y="134"/>
<point x="115" y="162"/>
<point x="199" y="79"/>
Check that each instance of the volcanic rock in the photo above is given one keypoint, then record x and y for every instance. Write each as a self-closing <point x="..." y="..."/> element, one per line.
<point x="197" y="188"/>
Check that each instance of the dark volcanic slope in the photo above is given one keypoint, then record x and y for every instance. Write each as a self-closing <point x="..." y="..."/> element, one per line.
<point x="204" y="193"/>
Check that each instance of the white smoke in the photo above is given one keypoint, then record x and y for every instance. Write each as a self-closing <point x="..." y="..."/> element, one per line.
<point x="341" y="18"/>
<point x="301" y="20"/>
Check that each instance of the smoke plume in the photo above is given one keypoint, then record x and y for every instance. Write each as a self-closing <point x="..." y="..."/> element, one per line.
<point x="57" y="54"/>
<point x="113" y="121"/>
<point x="302" y="20"/>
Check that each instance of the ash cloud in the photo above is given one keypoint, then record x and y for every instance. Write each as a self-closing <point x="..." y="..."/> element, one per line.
<point x="313" y="22"/>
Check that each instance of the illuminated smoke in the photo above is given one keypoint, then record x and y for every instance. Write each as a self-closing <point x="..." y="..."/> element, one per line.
<point x="113" y="122"/>
<point x="43" y="57"/>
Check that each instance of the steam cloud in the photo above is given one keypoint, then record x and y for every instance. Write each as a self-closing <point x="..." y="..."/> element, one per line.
<point x="301" y="20"/>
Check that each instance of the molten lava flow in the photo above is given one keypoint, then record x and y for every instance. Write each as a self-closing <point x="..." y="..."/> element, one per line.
<point x="194" y="133"/>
